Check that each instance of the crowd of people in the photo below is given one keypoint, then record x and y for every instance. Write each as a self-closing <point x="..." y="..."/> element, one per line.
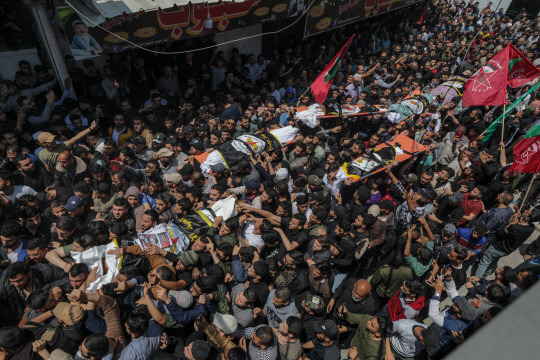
<point x="314" y="265"/>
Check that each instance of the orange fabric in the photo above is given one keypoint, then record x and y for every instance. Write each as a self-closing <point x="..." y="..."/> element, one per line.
<point x="201" y="157"/>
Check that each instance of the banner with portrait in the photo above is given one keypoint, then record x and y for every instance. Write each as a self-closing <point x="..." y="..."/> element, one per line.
<point x="180" y="22"/>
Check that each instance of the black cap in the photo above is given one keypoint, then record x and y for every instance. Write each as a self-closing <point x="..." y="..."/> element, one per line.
<point x="326" y="327"/>
<point x="187" y="169"/>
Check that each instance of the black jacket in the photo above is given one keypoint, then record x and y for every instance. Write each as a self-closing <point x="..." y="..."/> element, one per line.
<point x="64" y="179"/>
<point x="44" y="276"/>
<point x="38" y="180"/>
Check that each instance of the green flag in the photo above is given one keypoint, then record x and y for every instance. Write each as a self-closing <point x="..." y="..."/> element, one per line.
<point x="494" y="125"/>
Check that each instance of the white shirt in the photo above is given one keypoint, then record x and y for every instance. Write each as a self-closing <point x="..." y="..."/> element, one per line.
<point x="14" y="256"/>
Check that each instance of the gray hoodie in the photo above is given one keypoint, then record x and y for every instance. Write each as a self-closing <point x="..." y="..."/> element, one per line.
<point x="277" y="315"/>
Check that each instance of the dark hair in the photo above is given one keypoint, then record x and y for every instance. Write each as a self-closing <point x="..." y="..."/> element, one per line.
<point x="283" y="293"/>
<point x="247" y="253"/>
<point x="205" y="284"/>
<point x="66" y="223"/>
<point x="11" y="337"/>
<point x="295" y="326"/>
<point x="165" y="273"/>
<point x="37" y="299"/>
<point x="138" y="322"/>
<point x="79" y="269"/>
<point x="185" y="204"/>
<point x="297" y="257"/>
<point x="261" y="268"/>
<point x="345" y="225"/>
<point x="97" y="345"/>
<point x="166" y="197"/>
<point x="385" y="325"/>
<point x="286" y="206"/>
<point x="270" y="237"/>
<point x="461" y="252"/>
<point x="320" y="213"/>
<point x="226" y="248"/>
<point x="36" y="243"/>
<point x="395" y="259"/>
<point x="96" y="228"/>
<point x="508" y="275"/>
<point x="195" y="192"/>
<point x="324" y="267"/>
<point x="424" y="255"/>
<point x="19" y="267"/>
<point x="28" y="212"/>
<point x="232" y="223"/>
<point x="369" y="220"/>
<point x="250" y="295"/>
<point x="130" y="271"/>
<point x="266" y="335"/>
<point x="415" y="286"/>
<point x="481" y="229"/>
<point x="85" y="240"/>
<point x="495" y="293"/>
<point x="11" y="228"/>
<point x="300" y="217"/>
<point x="236" y="353"/>
<point x="154" y="216"/>
<point x="83" y="187"/>
<point x="216" y="274"/>
<point x="302" y="200"/>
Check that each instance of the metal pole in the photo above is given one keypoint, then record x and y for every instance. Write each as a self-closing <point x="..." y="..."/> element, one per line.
<point x="48" y="39"/>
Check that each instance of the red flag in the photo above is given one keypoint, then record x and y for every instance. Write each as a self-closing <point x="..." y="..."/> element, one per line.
<point x="520" y="69"/>
<point x="322" y="83"/>
<point x="488" y="85"/>
<point x="527" y="156"/>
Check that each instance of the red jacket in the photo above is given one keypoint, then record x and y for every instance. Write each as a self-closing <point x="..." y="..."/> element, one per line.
<point x="397" y="312"/>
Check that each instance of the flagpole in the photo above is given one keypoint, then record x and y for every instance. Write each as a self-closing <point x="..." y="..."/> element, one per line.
<point x="304" y="93"/>
<point x="529" y="188"/>
<point x="504" y="115"/>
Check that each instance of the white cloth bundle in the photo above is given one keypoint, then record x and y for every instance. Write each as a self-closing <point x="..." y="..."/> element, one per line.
<point x="225" y="208"/>
<point x="285" y="134"/>
<point x="213" y="158"/>
<point x="94" y="258"/>
<point x="309" y="116"/>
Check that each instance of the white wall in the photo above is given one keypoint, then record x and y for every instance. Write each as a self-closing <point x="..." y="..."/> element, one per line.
<point x="10" y="61"/>
<point x="249" y="46"/>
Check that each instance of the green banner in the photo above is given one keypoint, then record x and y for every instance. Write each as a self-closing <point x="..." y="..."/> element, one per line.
<point x="494" y="125"/>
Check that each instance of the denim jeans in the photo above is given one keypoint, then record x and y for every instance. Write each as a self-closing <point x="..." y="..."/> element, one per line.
<point x="338" y="279"/>
<point x="492" y="255"/>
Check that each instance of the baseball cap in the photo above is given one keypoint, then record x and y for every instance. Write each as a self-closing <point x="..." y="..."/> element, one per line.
<point x="183" y="298"/>
<point x="374" y="210"/>
<point x="203" y="110"/>
<point x="69" y="314"/>
<point x="188" y="129"/>
<point x="45" y="137"/>
<point x="449" y="229"/>
<point x="253" y="184"/>
<point x="339" y="210"/>
<point x="187" y="169"/>
<point x="175" y="178"/>
<point x="203" y="127"/>
<point x="226" y="323"/>
<point x="200" y="350"/>
<point x="326" y="327"/>
<point x="138" y="140"/>
<point x="282" y="174"/>
<point x="410" y="177"/>
<point x="456" y="197"/>
<point x="74" y="202"/>
<point x="467" y="310"/>
<point x="159" y="137"/>
<point x="314" y="180"/>
<point x="432" y="338"/>
<point x="189" y="258"/>
<point x="314" y="302"/>
<point x="219" y="168"/>
<point x="164" y="152"/>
